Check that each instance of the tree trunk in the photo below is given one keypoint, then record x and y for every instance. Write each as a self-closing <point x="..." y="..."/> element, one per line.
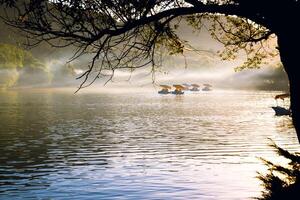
<point x="289" y="44"/>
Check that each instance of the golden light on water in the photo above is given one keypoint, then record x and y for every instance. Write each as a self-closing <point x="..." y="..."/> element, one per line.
<point x="203" y="145"/>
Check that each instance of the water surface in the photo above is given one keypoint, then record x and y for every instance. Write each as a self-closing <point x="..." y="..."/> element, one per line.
<point x="57" y="145"/>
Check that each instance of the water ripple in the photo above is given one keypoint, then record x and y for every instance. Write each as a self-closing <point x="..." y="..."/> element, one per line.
<point x="120" y="146"/>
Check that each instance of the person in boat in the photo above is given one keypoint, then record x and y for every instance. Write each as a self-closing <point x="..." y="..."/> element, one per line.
<point x="165" y="89"/>
<point x="279" y="110"/>
<point x="195" y="87"/>
<point x="178" y="89"/>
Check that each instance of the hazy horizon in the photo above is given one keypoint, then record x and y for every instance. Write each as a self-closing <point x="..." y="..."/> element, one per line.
<point x="192" y="67"/>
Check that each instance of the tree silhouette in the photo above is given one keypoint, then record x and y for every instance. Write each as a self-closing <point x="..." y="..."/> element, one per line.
<point x="130" y="33"/>
<point x="281" y="182"/>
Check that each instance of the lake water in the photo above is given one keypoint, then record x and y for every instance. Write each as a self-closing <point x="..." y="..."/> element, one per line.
<point x="126" y="145"/>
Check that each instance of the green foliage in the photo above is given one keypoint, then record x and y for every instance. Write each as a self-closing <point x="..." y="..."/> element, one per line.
<point x="8" y="78"/>
<point x="163" y="36"/>
<point x="282" y="182"/>
<point x="239" y="36"/>
<point x="12" y="60"/>
<point x="13" y="57"/>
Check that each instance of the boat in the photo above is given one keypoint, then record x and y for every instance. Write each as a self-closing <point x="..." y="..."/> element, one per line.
<point x="279" y="110"/>
<point x="207" y="87"/>
<point x="195" y="87"/>
<point x="178" y="90"/>
<point x="165" y="89"/>
<point x="186" y="86"/>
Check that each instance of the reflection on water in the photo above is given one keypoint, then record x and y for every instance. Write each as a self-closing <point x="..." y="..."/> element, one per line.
<point x="141" y="146"/>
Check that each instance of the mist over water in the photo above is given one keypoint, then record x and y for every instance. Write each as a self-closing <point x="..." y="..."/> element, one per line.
<point x="220" y="77"/>
<point x="202" y="66"/>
